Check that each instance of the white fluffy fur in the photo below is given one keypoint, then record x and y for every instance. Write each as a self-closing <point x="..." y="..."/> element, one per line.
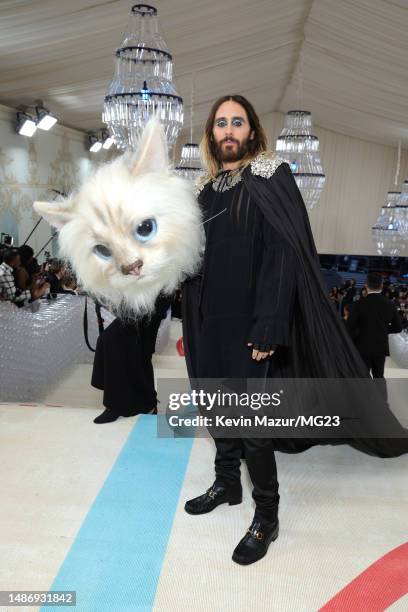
<point x="107" y="210"/>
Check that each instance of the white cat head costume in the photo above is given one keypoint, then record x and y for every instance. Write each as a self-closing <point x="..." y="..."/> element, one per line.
<point x="133" y="229"/>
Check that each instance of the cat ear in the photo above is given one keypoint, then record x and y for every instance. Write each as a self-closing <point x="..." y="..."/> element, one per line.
<point x="56" y="213"/>
<point x="152" y="155"/>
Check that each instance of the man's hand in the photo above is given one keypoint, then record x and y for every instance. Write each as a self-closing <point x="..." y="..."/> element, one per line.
<point x="261" y="351"/>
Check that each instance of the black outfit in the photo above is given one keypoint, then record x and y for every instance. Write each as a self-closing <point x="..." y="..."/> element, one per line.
<point x="347" y="300"/>
<point x="313" y="343"/>
<point x="350" y="295"/>
<point x="176" y="305"/>
<point x="371" y="320"/>
<point x="247" y="295"/>
<point x="123" y="363"/>
<point x="55" y="283"/>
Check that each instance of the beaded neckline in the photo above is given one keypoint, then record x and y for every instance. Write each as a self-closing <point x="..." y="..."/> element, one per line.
<point x="227" y="179"/>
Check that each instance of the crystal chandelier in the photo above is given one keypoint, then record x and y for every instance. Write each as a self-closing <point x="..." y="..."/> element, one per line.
<point x="190" y="163"/>
<point x="385" y="232"/>
<point x="300" y="148"/>
<point x="142" y="83"/>
<point x="401" y="212"/>
<point x="189" y="166"/>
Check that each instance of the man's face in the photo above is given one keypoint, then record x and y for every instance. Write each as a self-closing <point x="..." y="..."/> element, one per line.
<point x="231" y="132"/>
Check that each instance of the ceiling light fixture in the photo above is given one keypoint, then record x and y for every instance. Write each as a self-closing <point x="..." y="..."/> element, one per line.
<point x="45" y="120"/>
<point x="26" y="125"/>
<point x="107" y="140"/>
<point x="189" y="166"/>
<point x="94" y="143"/>
<point x="300" y="147"/>
<point x="386" y="236"/>
<point x="142" y="85"/>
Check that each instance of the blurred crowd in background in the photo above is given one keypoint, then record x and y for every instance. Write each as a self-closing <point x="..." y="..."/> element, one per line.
<point x="23" y="280"/>
<point x="345" y="295"/>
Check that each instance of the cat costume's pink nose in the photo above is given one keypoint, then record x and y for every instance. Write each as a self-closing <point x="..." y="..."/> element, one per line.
<point x="133" y="268"/>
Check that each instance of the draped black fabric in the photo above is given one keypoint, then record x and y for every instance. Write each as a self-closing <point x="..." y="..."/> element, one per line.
<point x="322" y="348"/>
<point x="320" y="345"/>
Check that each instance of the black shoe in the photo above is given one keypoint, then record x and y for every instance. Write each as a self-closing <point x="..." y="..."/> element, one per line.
<point x="106" y="417"/>
<point x="213" y="497"/>
<point x="254" y="545"/>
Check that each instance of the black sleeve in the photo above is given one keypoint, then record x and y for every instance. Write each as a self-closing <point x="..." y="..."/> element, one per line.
<point x="162" y="304"/>
<point x="276" y="289"/>
<point x="396" y="323"/>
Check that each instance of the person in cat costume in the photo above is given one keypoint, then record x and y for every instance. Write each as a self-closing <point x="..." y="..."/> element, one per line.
<point x="260" y="309"/>
<point x="132" y="230"/>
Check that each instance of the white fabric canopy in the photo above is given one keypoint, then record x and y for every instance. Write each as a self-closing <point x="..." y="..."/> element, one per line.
<point x="353" y="55"/>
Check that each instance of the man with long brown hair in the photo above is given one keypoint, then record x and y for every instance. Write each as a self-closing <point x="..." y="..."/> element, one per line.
<point x="249" y="273"/>
<point x="260" y="309"/>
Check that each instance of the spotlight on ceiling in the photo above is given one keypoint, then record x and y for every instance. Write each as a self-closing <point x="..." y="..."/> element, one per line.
<point x="45" y="120"/>
<point x="108" y="140"/>
<point x="94" y="143"/>
<point x="26" y="125"/>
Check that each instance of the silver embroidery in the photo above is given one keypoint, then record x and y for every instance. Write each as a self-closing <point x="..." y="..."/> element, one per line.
<point x="199" y="185"/>
<point x="265" y="164"/>
<point x="225" y="181"/>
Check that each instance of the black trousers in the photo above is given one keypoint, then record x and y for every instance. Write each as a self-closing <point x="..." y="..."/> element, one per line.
<point x="261" y="465"/>
<point x="375" y="365"/>
<point x="123" y="366"/>
<point x="223" y="353"/>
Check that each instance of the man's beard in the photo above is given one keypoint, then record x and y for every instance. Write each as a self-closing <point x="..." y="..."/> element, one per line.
<point x="231" y="155"/>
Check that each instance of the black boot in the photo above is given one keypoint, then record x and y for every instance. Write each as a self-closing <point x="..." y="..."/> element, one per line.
<point x="213" y="497"/>
<point x="108" y="416"/>
<point x="254" y="545"/>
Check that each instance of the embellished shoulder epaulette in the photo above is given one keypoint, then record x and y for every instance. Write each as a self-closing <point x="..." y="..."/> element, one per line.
<point x="200" y="183"/>
<point x="266" y="163"/>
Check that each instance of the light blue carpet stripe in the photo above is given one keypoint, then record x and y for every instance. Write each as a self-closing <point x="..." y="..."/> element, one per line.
<point x="115" y="562"/>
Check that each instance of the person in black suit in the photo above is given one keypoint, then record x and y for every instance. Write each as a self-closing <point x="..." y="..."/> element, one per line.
<point x="371" y="320"/>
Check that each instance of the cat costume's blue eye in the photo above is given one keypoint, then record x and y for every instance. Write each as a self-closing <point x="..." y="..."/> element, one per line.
<point x="102" y="251"/>
<point x="146" y="230"/>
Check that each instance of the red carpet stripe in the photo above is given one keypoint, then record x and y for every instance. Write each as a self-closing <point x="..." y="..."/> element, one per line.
<point x="378" y="587"/>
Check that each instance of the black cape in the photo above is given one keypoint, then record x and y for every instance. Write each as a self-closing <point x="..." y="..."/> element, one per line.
<point x="321" y="347"/>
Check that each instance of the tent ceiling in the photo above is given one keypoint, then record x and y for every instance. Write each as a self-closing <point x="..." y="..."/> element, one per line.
<point x="351" y="55"/>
